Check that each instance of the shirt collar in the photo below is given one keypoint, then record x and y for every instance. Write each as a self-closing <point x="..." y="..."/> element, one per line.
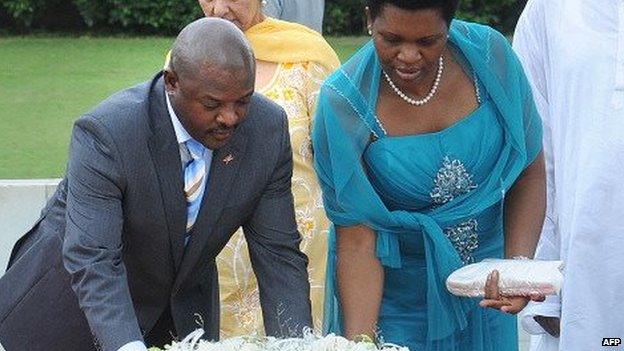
<point x="181" y="134"/>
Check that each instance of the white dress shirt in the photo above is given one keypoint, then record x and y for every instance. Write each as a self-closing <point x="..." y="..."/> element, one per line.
<point x="573" y="53"/>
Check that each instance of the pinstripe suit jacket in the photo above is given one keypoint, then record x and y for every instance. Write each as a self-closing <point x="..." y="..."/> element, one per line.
<point x="107" y="256"/>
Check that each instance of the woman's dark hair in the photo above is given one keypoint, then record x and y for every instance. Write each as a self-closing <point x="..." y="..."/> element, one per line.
<point x="446" y="7"/>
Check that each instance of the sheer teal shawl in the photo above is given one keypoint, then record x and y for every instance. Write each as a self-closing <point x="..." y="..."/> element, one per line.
<point x="344" y="122"/>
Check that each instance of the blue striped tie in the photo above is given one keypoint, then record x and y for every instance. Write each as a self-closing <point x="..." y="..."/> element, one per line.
<point x="194" y="184"/>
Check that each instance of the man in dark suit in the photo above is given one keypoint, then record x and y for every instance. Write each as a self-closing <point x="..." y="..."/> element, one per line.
<point x="159" y="177"/>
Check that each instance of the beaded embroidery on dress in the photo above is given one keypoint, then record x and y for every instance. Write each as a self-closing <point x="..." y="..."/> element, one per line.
<point x="453" y="180"/>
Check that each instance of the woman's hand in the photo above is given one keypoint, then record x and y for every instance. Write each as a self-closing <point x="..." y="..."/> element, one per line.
<point x="507" y="304"/>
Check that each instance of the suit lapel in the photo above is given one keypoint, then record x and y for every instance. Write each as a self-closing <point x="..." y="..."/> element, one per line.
<point x="223" y="170"/>
<point x="165" y="155"/>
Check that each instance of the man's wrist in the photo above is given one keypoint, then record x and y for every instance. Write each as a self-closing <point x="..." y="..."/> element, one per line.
<point x="134" y="346"/>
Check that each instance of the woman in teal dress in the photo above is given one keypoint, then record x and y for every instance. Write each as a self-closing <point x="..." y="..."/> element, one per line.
<point x="428" y="149"/>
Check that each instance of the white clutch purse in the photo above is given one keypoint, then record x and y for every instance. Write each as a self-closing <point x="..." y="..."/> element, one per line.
<point x="521" y="277"/>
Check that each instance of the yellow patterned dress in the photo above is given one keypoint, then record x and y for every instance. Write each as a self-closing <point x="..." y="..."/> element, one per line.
<point x="295" y="87"/>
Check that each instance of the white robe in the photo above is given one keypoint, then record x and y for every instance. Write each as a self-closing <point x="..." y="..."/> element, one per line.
<point x="573" y="53"/>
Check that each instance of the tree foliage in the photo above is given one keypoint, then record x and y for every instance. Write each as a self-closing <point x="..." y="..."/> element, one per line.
<point x="166" y="17"/>
<point x="346" y="17"/>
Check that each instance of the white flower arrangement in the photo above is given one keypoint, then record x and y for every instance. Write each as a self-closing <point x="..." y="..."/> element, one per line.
<point x="309" y="342"/>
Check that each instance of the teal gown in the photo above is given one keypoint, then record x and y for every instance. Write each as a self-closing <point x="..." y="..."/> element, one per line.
<point x="450" y="163"/>
<point x="435" y="201"/>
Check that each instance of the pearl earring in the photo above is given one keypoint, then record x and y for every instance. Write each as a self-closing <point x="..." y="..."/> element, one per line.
<point x="370" y="31"/>
<point x="264" y="3"/>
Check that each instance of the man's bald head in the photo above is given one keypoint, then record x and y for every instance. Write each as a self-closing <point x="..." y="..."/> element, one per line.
<point x="210" y="80"/>
<point x="214" y="43"/>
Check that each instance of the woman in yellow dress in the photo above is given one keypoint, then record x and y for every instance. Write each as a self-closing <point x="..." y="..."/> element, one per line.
<point x="292" y="61"/>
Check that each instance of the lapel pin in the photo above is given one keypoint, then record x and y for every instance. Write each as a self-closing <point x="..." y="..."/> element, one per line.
<point x="227" y="159"/>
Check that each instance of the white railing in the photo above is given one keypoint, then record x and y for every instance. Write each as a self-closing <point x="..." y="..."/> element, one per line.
<point x="21" y="202"/>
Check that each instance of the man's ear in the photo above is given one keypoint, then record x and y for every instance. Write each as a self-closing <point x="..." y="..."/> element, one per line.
<point x="171" y="80"/>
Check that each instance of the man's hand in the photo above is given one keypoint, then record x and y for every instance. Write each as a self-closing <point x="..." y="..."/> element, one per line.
<point x="507" y="304"/>
<point x="550" y="324"/>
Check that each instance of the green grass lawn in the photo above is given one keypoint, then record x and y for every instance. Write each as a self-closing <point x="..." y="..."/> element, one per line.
<point x="46" y="83"/>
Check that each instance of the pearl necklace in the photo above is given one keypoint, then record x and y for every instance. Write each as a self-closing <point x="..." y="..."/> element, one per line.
<point x="427" y="98"/>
